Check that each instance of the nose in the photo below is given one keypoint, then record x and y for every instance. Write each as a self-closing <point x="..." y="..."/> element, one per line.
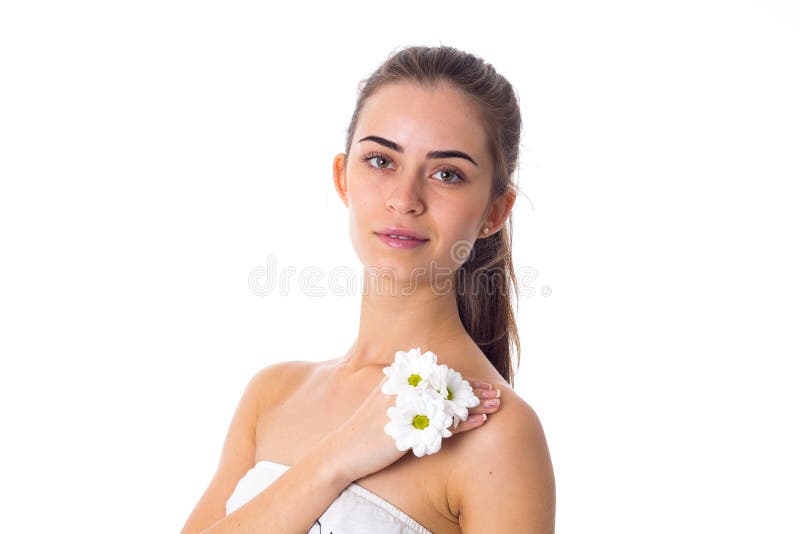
<point x="405" y="198"/>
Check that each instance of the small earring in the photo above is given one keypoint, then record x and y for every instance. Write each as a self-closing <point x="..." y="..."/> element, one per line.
<point x="485" y="229"/>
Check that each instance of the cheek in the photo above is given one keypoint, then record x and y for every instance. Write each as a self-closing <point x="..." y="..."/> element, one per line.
<point x="458" y="236"/>
<point x="363" y="213"/>
<point x="363" y="197"/>
<point x="363" y="218"/>
<point x="460" y="223"/>
<point x="358" y="224"/>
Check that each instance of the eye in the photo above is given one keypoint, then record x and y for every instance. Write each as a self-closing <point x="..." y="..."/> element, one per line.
<point x="452" y="176"/>
<point x="382" y="161"/>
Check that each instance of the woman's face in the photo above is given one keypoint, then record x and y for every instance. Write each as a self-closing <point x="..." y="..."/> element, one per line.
<point x="443" y="197"/>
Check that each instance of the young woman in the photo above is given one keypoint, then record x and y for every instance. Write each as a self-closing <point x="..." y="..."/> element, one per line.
<point x="426" y="177"/>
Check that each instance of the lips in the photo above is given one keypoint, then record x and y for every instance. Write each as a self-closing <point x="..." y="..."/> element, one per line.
<point x="402" y="233"/>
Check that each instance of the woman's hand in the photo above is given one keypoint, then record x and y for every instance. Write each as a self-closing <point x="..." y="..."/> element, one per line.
<point x="363" y="446"/>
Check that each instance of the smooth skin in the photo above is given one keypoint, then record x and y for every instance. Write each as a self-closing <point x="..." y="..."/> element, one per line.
<point x="498" y="478"/>
<point x="296" y="499"/>
<point x="366" y="448"/>
<point x="503" y="480"/>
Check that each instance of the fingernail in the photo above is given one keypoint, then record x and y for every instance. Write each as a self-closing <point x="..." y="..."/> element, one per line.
<point x="483" y="385"/>
<point x="491" y="403"/>
<point x="474" y="418"/>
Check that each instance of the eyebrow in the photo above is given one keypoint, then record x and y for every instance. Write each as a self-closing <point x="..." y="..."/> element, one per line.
<point x="429" y="155"/>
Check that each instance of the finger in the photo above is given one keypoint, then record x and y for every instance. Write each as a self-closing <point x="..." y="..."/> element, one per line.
<point x="487" y="393"/>
<point x="486" y="406"/>
<point x="477" y="384"/>
<point x="473" y="421"/>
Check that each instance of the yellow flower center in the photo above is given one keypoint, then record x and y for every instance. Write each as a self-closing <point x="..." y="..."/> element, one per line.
<point x="420" y="422"/>
<point x="449" y="394"/>
<point x="414" y="379"/>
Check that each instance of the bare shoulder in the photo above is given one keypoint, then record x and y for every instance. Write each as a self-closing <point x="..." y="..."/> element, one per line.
<point x="238" y="450"/>
<point x="279" y="379"/>
<point x="505" y="465"/>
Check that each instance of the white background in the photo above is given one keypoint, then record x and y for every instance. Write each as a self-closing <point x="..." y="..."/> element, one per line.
<point x="152" y="154"/>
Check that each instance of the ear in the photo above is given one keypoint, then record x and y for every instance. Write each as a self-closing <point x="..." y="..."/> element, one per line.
<point x="499" y="211"/>
<point x="340" y="178"/>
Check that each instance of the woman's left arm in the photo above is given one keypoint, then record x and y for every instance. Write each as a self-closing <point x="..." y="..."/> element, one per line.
<point x="509" y="485"/>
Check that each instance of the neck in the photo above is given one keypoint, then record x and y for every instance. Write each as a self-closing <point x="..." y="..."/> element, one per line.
<point x="392" y="321"/>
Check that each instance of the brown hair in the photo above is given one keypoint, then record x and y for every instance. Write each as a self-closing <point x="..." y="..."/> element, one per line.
<point x="485" y="278"/>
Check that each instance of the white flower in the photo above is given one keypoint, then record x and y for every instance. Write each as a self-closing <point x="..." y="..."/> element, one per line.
<point x="419" y="421"/>
<point x="457" y="392"/>
<point x="409" y="370"/>
<point x="430" y="398"/>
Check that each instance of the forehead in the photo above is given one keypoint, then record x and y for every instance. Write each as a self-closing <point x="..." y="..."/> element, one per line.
<point x="422" y="118"/>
